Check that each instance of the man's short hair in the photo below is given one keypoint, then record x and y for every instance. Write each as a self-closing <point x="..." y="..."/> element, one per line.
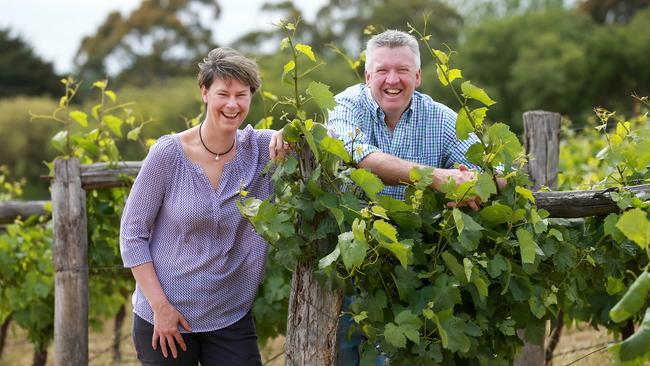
<point x="392" y="38"/>
<point x="227" y="64"/>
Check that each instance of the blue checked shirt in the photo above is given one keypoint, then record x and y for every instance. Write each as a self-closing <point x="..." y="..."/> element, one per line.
<point x="425" y="133"/>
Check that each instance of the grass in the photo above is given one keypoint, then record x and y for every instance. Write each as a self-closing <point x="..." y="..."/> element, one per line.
<point x="18" y="351"/>
<point x="579" y="346"/>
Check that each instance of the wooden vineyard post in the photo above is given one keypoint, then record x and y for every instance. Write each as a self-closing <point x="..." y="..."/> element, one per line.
<point x="70" y="256"/>
<point x="313" y="319"/>
<point x="542" y="143"/>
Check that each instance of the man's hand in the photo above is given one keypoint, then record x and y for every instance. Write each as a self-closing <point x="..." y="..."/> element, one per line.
<point x="165" y="329"/>
<point x="278" y="148"/>
<point x="458" y="176"/>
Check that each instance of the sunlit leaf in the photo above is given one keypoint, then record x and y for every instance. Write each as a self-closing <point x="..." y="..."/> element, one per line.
<point x="474" y="92"/>
<point x="369" y="182"/>
<point x="322" y="95"/>
<point x="353" y="251"/>
<point x="463" y="125"/>
<point x="635" y="349"/>
<point x="111" y="95"/>
<point x="288" y="67"/>
<point x="134" y="133"/>
<point x="114" y="124"/>
<point x="465" y="222"/>
<point x="80" y="117"/>
<point x="635" y="225"/>
<point x="496" y="213"/>
<point x="526" y="193"/>
<point x="59" y="140"/>
<point x="329" y="259"/>
<point x="633" y="300"/>
<point x="526" y="245"/>
<point x="306" y="50"/>
<point x="386" y="230"/>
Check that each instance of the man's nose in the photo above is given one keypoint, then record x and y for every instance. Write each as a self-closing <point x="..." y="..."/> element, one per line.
<point x="392" y="77"/>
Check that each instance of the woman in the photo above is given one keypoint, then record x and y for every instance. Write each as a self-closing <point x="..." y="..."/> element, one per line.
<point x="196" y="261"/>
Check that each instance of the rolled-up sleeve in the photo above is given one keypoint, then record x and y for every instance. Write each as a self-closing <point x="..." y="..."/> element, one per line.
<point x="343" y="123"/>
<point x="144" y="202"/>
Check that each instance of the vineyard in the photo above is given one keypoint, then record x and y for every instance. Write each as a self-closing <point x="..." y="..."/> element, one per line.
<point x="433" y="284"/>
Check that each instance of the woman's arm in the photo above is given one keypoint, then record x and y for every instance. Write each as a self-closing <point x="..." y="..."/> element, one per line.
<point x="165" y="317"/>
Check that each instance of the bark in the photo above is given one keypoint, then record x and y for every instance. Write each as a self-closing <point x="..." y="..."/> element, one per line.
<point x="4" y="329"/>
<point x="628" y="330"/>
<point x="40" y="355"/>
<point x="70" y="257"/>
<point x="554" y="339"/>
<point x="313" y="318"/>
<point x="313" y="321"/>
<point x="117" y="338"/>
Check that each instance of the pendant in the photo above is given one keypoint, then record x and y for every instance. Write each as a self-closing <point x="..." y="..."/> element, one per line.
<point x="216" y="158"/>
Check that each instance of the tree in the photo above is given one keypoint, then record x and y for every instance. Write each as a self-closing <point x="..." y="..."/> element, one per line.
<point x="161" y="38"/>
<point x="612" y="11"/>
<point x="345" y="23"/>
<point x="21" y="71"/>
<point x="533" y="61"/>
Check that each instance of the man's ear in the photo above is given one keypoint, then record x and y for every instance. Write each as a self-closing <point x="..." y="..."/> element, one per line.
<point x="418" y="78"/>
<point x="367" y="74"/>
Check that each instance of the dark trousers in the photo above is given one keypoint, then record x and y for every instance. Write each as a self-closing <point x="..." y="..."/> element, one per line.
<point x="235" y="345"/>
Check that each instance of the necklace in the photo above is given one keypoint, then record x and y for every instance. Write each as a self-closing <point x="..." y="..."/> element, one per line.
<point x="216" y="155"/>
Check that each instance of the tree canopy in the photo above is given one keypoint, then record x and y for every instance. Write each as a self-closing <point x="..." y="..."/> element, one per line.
<point x="159" y="39"/>
<point x="22" y="72"/>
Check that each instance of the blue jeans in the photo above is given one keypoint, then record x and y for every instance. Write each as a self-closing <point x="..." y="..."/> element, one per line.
<point x="349" y="346"/>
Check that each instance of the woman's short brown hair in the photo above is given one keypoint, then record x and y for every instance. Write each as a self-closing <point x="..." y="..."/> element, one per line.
<point x="227" y="64"/>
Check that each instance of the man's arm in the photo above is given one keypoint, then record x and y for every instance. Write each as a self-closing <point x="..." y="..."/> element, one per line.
<point x="393" y="170"/>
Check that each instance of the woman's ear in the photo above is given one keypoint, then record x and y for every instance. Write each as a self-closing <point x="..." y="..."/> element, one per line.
<point x="204" y="94"/>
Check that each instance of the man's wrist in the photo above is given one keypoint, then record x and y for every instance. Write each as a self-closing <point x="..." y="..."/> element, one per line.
<point x="438" y="178"/>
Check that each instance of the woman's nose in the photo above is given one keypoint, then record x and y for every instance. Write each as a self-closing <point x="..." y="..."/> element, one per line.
<point x="231" y="102"/>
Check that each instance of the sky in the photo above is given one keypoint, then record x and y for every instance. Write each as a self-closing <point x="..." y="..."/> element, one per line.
<point x="54" y="28"/>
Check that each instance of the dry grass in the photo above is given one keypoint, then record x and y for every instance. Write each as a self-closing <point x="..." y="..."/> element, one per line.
<point x="18" y="351"/>
<point x="582" y="346"/>
<point x="575" y="344"/>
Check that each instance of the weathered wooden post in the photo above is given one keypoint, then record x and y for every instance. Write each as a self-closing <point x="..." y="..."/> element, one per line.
<point x="70" y="256"/>
<point x="542" y="143"/>
<point x="313" y="311"/>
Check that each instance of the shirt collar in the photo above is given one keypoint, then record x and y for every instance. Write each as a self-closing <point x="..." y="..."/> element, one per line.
<point x="372" y="104"/>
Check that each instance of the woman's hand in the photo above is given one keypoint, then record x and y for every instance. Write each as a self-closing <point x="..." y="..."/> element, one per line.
<point x="165" y="329"/>
<point x="277" y="146"/>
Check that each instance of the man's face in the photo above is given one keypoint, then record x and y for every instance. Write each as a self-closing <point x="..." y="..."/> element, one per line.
<point x="392" y="77"/>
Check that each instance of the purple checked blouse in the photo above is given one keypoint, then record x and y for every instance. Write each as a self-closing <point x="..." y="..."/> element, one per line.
<point x="207" y="257"/>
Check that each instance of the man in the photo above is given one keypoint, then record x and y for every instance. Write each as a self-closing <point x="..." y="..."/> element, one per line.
<point x="390" y="128"/>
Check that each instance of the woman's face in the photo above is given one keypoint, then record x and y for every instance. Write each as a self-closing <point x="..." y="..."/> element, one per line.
<point x="227" y="103"/>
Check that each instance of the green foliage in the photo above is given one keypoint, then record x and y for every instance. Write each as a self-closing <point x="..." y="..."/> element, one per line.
<point x="25" y="144"/>
<point x="25" y="253"/>
<point x="612" y="154"/>
<point x="558" y="60"/>
<point x="433" y="284"/>
<point x="26" y="273"/>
